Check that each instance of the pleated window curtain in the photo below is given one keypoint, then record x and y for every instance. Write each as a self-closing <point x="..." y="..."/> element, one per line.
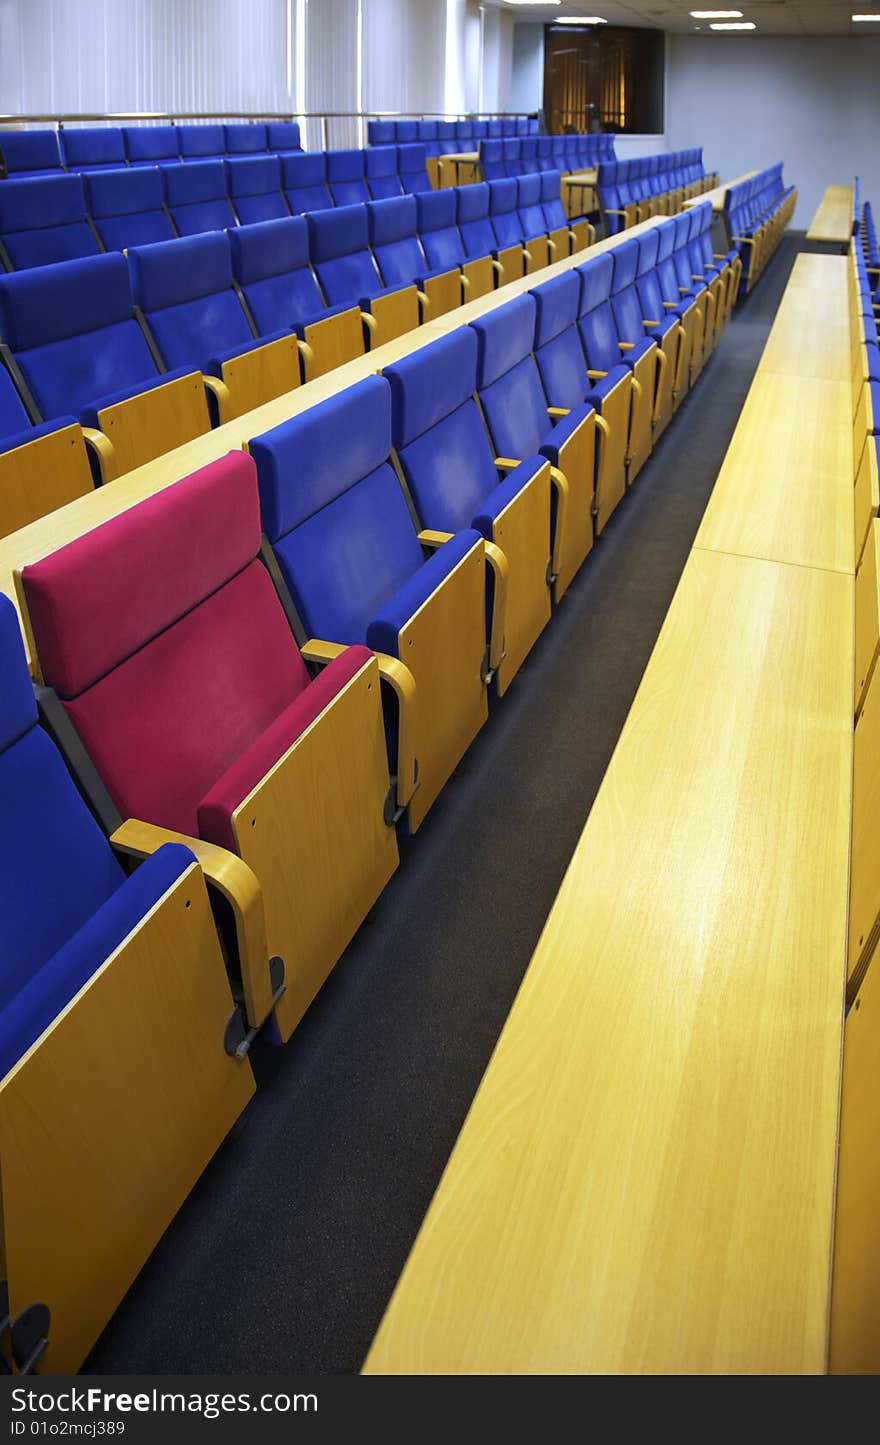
<point x="404" y="51"/>
<point x="332" y="69"/>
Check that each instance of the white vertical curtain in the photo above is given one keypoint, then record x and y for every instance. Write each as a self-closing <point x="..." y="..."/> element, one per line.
<point x="217" y="56"/>
<point x="210" y="56"/>
<point x="404" y="55"/>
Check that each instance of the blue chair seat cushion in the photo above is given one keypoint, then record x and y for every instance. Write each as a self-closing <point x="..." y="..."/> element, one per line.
<point x="640" y="349"/>
<point x="214" y="364"/>
<point x="384" y="629"/>
<point x="564" y="428"/>
<point x="31" y="434"/>
<point x="47" y="992"/>
<point x="494" y="504"/>
<point x="89" y="414"/>
<point x="600" y="388"/>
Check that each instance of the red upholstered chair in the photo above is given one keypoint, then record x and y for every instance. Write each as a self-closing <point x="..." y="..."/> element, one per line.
<point x="164" y="638"/>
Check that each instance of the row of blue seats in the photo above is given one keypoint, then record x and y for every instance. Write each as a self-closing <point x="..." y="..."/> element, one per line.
<point x="443" y="137"/>
<point x="868" y="234"/>
<point x="38" y="152"/>
<point x="757" y="211"/>
<point x="519" y="156"/>
<point x="80" y="338"/>
<point x="454" y="497"/>
<point x="52" y="219"/>
<point x="628" y="190"/>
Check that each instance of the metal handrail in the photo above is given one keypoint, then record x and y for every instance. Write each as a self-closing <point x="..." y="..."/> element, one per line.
<point x="171" y="116"/>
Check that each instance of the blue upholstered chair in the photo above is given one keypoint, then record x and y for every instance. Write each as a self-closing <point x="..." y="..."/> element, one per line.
<point x="340" y="250"/>
<point x="523" y="422"/>
<point x="349" y="554"/>
<point x="395" y="244"/>
<point x="443" y="244"/>
<point x="151" y="145"/>
<point x="346" y="177"/>
<point x="304" y="181"/>
<point x="196" y="197"/>
<point x="253" y="184"/>
<point x="381" y="172"/>
<point x="113" y="999"/>
<point x="92" y="147"/>
<point x="245" y="138"/>
<point x="44" y="220"/>
<point x="128" y="207"/>
<point x="186" y="294"/>
<point x="201" y="142"/>
<point x="29" y="153"/>
<point x="453" y="481"/>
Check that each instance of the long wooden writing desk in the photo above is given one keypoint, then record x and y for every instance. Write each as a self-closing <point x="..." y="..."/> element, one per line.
<point x="833" y="221"/>
<point x="645" y="1180"/>
<point x="718" y="193"/>
<point x="82" y="515"/>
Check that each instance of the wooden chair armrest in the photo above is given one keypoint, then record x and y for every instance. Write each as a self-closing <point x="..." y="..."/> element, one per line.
<point x="465" y="282"/>
<point x="557" y="411"/>
<point x="369" y="321"/>
<point x="506" y="464"/>
<point x="670" y="305"/>
<point x="102" y="446"/>
<point x="399" y="678"/>
<point x="626" y="345"/>
<point x="238" y="884"/>
<point x="595" y="375"/>
<point x="551" y="246"/>
<point x="559" y="480"/>
<point x="322" y="652"/>
<point x="497" y="266"/>
<point x="220" y="391"/>
<point x="501" y="570"/>
<point x="649" y="324"/>
<point x="429" y="538"/>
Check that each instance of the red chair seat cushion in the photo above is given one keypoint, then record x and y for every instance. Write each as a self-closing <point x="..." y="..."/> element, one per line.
<point x="216" y="808"/>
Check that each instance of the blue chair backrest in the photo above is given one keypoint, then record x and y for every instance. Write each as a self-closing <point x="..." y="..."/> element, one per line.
<point x="446" y="141"/>
<point x="196" y="197"/>
<point x="345" y="177"/>
<point x="508" y="381"/>
<point x="441" y="242"/>
<point x="528" y="155"/>
<point x="30" y="152"/>
<point x="472" y="214"/>
<point x="393" y="240"/>
<point x="304" y="181"/>
<point x="380" y="132"/>
<point x="411" y="168"/>
<point x="551" y="199"/>
<point x="184" y="289"/>
<point x="247" y="138"/>
<point x="270" y="262"/>
<point x="595" y="318"/>
<point x="128" y="206"/>
<point x="44" y="220"/>
<point x="92" y="147"/>
<point x="528" y="199"/>
<point x="339" y="248"/>
<point x="648" y="282"/>
<point x="334" y="511"/>
<point x="625" y="303"/>
<point x="406" y="132"/>
<point x="492" y="159"/>
<point x="254" y="187"/>
<point x="201" y="142"/>
<point x="503" y="213"/>
<point x="13" y="414"/>
<point x="283" y="136"/>
<point x="381" y="170"/>
<point x="497" y="129"/>
<point x="558" y="350"/>
<point x="510" y="156"/>
<point x="57" y="868"/>
<point x="150" y="145"/>
<point x="72" y="330"/>
<point x="426" y="134"/>
<point x="438" y="432"/>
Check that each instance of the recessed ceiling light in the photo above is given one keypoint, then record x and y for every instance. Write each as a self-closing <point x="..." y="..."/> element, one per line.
<point x="716" y="14"/>
<point x="534" y="2"/>
<point x="860" y="19"/>
<point x="735" y="25"/>
<point x="579" y="20"/>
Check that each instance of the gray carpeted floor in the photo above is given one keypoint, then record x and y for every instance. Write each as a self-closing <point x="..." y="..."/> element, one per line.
<point x="285" y="1255"/>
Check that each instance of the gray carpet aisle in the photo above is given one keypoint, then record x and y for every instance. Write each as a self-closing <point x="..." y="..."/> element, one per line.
<point x="286" y="1253"/>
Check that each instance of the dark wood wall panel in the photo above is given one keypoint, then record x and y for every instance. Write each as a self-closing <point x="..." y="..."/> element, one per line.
<point x="608" y="78"/>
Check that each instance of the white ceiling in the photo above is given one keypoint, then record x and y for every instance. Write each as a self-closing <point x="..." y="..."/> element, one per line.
<point x="771" y="17"/>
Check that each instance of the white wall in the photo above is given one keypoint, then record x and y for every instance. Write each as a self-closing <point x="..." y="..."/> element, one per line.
<point x="751" y="101"/>
<point x="527" y="81"/>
